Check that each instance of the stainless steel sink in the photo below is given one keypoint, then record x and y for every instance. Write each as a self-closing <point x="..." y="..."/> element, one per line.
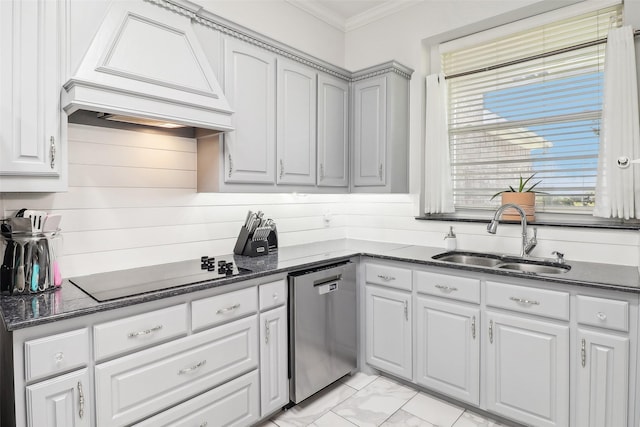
<point x="534" y="268"/>
<point x="483" y="261"/>
<point x="502" y="262"/>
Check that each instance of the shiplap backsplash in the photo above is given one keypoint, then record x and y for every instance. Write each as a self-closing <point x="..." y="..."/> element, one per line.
<point x="132" y="202"/>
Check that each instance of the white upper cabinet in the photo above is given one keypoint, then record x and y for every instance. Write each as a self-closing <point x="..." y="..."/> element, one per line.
<point x="333" y="132"/>
<point x="249" y="84"/>
<point x="381" y="129"/>
<point x="32" y="145"/>
<point x="370" y="132"/>
<point x="296" y="123"/>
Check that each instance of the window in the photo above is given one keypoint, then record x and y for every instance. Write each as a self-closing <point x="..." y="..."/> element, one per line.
<point x="529" y="103"/>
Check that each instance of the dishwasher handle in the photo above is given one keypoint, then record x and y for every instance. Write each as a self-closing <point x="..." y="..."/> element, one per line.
<point x="328" y="286"/>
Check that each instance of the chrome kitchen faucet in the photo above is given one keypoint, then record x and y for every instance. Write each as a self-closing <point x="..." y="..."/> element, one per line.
<point x="527" y="245"/>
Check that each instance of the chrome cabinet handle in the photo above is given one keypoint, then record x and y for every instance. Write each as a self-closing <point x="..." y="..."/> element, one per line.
<point x="266" y="332"/>
<point x="230" y="165"/>
<point x="444" y="288"/>
<point x="204" y="424"/>
<point x="144" y="332"/>
<point x="386" y="278"/>
<point x="524" y="301"/>
<point x="406" y="310"/>
<point x="80" y="400"/>
<point x="491" y="331"/>
<point x="583" y="352"/>
<point x="52" y="151"/>
<point x="321" y="171"/>
<point x="228" y="309"/>
<point x="473" y="327"/>
<point x="192" y="368"/>
<point x="380" y="172"/>
<point x="601" y="316"/>
<point x="281" y="168"/>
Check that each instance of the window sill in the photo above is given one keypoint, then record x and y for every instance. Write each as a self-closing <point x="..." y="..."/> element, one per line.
<point x="542" y="219"/>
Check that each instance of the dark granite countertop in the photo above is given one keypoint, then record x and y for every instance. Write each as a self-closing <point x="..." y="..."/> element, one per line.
<point x="69" y="301"/>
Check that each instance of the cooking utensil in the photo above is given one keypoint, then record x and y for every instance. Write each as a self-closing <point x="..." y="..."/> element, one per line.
<point x="51" y="223"/>
<point x="20" y="279"/>
<point x="57" y="276"/>
<point x="20" y="225"/>
<point x="37" y="219"/>
<point x="7" y="268"/>
<point x="35" y="274"/>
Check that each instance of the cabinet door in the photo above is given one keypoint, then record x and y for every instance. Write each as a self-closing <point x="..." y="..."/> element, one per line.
<point x="370" y="132"/>
<point x="249" y="84"/>
<point x="296" y="128"/>
<point x="602" y="379"/>
<point x="30" y="81"/>
<point x="63" y="401"/>
<point x="274" y="383"/>
<point x="449" y="348"/>
<point x="527" y="369"/>
<point x="333" y="132"/>
<point x="388" y="330"/>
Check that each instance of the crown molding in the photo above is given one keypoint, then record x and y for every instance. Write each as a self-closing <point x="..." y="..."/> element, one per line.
<point x="321" y="12"/>
<point x="385" y="9"/>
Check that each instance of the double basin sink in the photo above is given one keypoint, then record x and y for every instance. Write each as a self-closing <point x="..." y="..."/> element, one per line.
<point x="502" y="262"/>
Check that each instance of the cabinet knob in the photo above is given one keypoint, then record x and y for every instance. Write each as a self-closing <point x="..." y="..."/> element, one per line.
<point x="275" y="296"/>
<point x="601" y="316"/>
<point x="59" y="356"/>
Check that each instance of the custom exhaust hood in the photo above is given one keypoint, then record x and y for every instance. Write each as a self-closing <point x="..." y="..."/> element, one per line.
<point x="145" y="66"/>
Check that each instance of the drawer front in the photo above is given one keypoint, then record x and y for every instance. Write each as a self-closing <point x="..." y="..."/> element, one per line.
<point x="442" y="285"/>
<point x="133" y="387"/>
<point x="388" y="276"/>
<point x="272" y="294"/>
<point x="142" y="330"/>
<point x="604" y="313"/>
<point x="212" y="311"/>
<point x="542" y="302"/>
<point x="56" y="353"/>
<point x="232" y="404"/>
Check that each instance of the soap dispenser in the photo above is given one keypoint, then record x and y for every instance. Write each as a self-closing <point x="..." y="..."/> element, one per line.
<point x="451" y="242"/>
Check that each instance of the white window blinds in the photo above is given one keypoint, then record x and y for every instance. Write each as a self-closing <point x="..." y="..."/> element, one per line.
<point x="529" y="103"/>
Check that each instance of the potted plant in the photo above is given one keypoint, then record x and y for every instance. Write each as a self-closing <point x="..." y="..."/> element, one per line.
<point x="523" y="196"/>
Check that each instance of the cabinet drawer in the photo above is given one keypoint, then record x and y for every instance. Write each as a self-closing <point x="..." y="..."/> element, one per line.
<point x="142" y="330"/>
<point x="542" y="302"/>
<point x="56" y="353"/>
<point x="388" y="276"/>
<point x="272" y="294"/>
<point x="211" y="311"/>
<point x="231" y="404"/>
<point x="604" y="313"/>
<point x="136" y="386"/>
<point x="442" y="285"/>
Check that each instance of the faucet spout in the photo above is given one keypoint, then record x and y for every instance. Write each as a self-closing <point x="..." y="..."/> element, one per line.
<point x="492" y="227"/>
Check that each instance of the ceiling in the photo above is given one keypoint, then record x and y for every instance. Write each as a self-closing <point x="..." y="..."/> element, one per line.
<point x="347" y="15"/>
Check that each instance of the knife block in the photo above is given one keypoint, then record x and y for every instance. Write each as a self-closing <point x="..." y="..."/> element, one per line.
<point x="248" y="247"/>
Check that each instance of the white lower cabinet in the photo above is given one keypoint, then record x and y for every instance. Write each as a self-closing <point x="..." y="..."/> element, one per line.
<point x="602" y="379"/>
<point x="527" y="369"/>
<point x="232" y="404"/>
<point x="388" y="330"/>
<point x="63" y="401"/>
<point x="274" y="384"/>
<point x="133" y="387"/>
<point x="448" y="348"/>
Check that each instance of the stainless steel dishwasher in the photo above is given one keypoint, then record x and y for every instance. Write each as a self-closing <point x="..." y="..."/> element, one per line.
<point x="322" y="327"/>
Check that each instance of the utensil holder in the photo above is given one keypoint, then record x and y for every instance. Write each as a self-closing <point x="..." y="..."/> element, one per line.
<point x="29" y="263"/>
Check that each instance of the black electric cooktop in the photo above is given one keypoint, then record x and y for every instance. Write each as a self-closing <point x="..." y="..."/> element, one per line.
<point x="136" y="281"/>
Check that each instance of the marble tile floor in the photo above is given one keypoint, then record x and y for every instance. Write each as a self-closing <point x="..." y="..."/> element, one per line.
<point x="370" y="401"/>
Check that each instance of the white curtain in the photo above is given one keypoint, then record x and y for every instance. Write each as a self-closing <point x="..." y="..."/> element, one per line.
<point x="438" y="185"/>
<point x="617" y="190"/>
